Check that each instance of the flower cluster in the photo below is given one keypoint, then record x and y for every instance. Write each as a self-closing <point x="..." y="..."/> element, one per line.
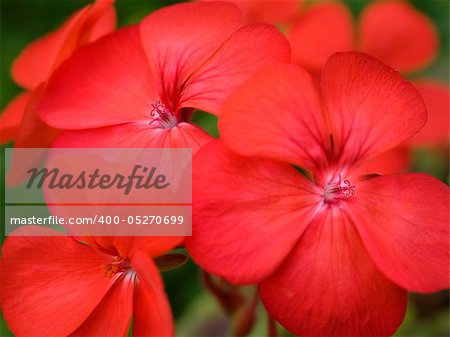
<point x="304" y="195"/>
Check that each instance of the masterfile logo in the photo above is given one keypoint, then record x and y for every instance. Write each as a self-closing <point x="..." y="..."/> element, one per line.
<point x="147" y="179"/>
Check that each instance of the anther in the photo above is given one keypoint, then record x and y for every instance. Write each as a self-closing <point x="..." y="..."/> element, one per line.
<point x="338" y="189"/>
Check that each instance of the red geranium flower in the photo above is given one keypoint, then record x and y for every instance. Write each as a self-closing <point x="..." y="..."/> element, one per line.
<point x="333" y="255"/>
<point x="138" y="86"/>
<point x="393" y="32"/>
<point x="59" y="286"/>
<point x="38" y="61"/>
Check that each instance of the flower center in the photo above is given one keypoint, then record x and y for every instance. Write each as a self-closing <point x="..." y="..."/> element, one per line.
<point x="117" y="266"/>
<point x="161" y="116"/>
<point x="338" y="189"/>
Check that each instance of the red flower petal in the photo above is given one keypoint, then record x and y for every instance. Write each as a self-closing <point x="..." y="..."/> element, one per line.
<point x="154" y="246"/>
<point x="180" y="38"/>
<point x="397" y="160"/>
<point x="371" y="108"/>
<point x="329" y="286"/>
<point x="112" y="317"/>
<point x="43" y="279"/>
<point x="12" y="116"/>
<point x="282" y="101"/>
<point x="105" y="83"/>
<point x="276" y="114"/>
<point x="136" y="135"/>
<point x="437" y="97"/>
<point x="98" y="19"/>
<point x="102" y="20"/>
<point x="247" y="50"/>
<point x="403" y="222"/>
<point x="323" y="30"/>
<point x="268" y="11"/>
<point x="152" y="314"/>
<point x="32" y="133"/>
<point x="36" y="62"/>
<point x="398" y="35"/>
<point x="247" y="213"/>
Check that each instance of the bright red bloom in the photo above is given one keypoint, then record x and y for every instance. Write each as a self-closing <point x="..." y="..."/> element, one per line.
<point x="38" y="61"/>
<point x="58" y="286"/>
<point x="333" y="255"/>
<point x="393" y="32"/>
<point x="138" y="87"/>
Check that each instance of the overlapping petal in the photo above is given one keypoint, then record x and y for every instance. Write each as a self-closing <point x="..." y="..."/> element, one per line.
<point x="250" y="48"/>
<point x="247" y="213"/>
<point x="152" y="314"/>
<point x="40" y="58"/>
<point x="12" y="116"/>
<point x="397" y="160"/>
<point x="129" y="246"/>
<point x="137" y="135"/>
<point x="32" y="133"/>
<point x="403" y="222"/>
<point x="328" y="286"/>
<point x="36" y="61"/>
<point x="398" y="35"/>
<point x="351" y="124"/>
<point x="371" y="109"/>
<point x="101" y="21"/>
<point x="180" y="38"/>
<point x="63" y="270"/>
<point x="116" y="308"/>
<point x="268" y="11"/>
<point x="321" y="31"/>
<point x="107" y="82"/>
<point x="276" y="114"/>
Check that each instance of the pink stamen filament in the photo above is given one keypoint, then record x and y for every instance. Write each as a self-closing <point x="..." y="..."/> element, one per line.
<point x="335" y="191"/>
<point x="162" y="116"/>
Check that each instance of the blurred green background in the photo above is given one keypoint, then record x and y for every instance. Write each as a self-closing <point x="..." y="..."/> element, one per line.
<point x="196" y="312"/>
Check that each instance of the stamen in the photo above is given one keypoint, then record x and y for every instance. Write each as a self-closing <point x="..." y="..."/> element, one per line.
<point x="120" y="265"/>
<point x="337" y="190"/>
<point x="347" y="190"/>
<point x="162" y="116"/>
